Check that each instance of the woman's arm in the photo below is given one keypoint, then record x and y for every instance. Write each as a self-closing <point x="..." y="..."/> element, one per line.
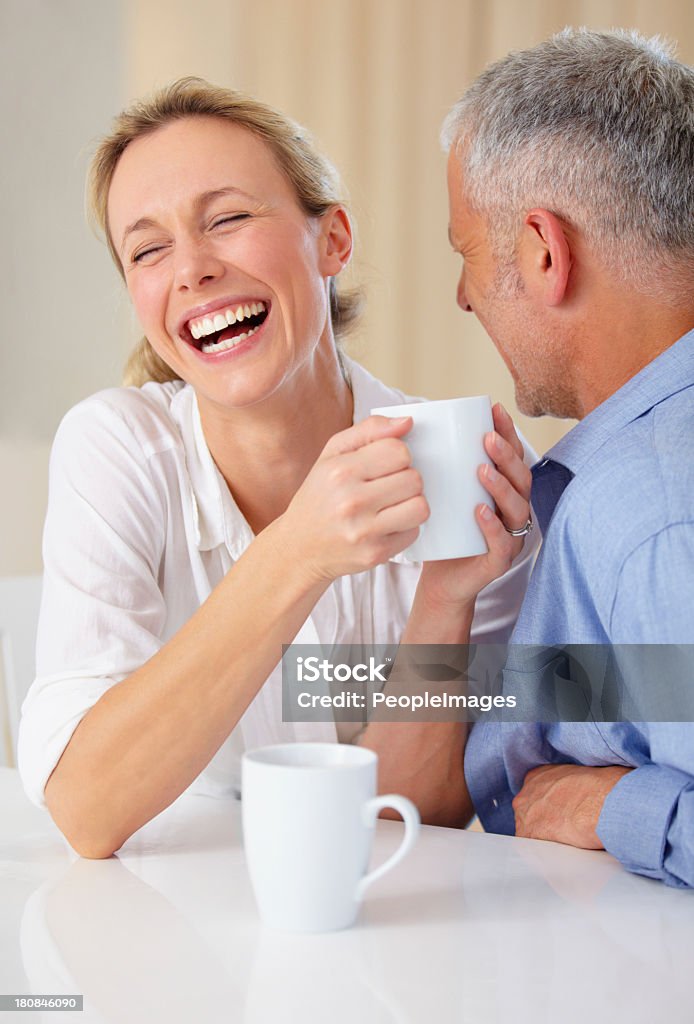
<point x="424" y="760"/>
<point x="148" y="737"/>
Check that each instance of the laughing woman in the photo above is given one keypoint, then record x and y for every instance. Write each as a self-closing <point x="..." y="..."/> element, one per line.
<point x="237" y="495"/>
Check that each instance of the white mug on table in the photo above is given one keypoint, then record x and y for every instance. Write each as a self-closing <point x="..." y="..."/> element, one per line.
<point x="309" y="811"/>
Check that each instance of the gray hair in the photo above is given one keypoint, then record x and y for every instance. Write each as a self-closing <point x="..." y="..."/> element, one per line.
<point x="598" y="128"/>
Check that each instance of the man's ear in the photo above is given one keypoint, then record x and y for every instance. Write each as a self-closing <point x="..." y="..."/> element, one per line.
<point x="544" y="256"/>
<point x="336" y="240"/>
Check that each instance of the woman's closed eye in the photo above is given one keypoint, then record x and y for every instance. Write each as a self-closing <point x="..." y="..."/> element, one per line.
<point x="150" y="251"/>
<point x="230" y="219"/>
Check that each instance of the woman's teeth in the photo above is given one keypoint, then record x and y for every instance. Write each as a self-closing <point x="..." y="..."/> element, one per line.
<point x="221" y="346"/>
<point x="225" y="318"/>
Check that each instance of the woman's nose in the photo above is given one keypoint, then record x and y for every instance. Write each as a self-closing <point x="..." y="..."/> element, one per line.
<point x="195" y="264"/>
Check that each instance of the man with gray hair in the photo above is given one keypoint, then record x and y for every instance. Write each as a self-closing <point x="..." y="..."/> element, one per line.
<point x="571" y="180"/>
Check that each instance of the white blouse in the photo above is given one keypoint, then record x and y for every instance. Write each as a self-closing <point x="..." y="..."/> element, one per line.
<point x="140" y="528"/>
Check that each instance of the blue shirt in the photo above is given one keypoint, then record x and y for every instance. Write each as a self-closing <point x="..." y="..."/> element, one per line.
<point x="617" y="567"/>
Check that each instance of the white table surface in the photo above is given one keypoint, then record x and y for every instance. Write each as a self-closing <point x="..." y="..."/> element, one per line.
<point x="469" y="928"/>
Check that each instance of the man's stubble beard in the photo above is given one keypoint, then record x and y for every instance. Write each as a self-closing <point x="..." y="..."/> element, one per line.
<point x="538" y="366"/>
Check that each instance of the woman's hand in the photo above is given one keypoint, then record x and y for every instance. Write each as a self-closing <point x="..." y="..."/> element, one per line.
<point x="361" y="503"/>
<point x="458" y="581"/>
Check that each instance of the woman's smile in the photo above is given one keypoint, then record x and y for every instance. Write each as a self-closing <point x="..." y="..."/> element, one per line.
<point x="225" y="326"/>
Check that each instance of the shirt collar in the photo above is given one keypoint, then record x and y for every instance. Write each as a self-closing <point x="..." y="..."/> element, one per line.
<point x="670" y="372"/>
<point x="216" y="516"/>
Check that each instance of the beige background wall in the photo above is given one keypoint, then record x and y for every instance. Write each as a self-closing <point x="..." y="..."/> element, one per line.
<point x="372" y="79"/>
<point x="63" y="320"/>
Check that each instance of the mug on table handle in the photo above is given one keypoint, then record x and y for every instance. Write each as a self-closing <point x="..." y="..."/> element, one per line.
<point x="409" y="814"/>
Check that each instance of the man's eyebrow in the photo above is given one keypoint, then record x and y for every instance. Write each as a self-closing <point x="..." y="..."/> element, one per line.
<point x="204" y="199"/>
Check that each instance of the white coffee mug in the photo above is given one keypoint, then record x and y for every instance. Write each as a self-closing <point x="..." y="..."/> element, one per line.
<point x="309" y="811"/>
<point x="446" y="444"/>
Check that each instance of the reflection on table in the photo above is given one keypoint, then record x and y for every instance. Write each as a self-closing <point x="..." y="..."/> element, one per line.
<point x="470" y="927"/>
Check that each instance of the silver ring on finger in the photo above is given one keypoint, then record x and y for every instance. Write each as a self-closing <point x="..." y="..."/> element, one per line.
<point x="524" y="530"/>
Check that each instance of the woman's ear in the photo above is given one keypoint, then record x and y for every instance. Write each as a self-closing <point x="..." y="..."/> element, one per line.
<point x="336" y="240"/>
<point x="544" y="256"/>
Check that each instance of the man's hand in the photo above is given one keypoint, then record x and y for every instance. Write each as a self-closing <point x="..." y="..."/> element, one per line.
<point x="562" y="802"/>
<point x="458" y="581"/>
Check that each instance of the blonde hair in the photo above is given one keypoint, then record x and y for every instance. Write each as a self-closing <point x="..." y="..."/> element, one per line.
<point x="314" y="179"/>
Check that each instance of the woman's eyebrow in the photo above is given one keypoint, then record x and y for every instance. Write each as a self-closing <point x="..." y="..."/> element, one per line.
<point x="204" y="199"/>
<point x="219" y="193"/>
<point x="138" y="225"/>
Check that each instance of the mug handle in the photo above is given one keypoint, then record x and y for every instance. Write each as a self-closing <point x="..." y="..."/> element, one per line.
<point x="409" y="814"/>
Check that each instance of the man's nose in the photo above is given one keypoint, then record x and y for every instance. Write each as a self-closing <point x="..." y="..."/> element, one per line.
<point x="462" y="297"/>
<point x="195" y="263"/>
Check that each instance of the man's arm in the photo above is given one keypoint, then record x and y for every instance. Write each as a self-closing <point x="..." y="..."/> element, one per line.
<point x="643" y="816"/>
<point x="563" y="803"/>
<point x="647" y="820"/>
